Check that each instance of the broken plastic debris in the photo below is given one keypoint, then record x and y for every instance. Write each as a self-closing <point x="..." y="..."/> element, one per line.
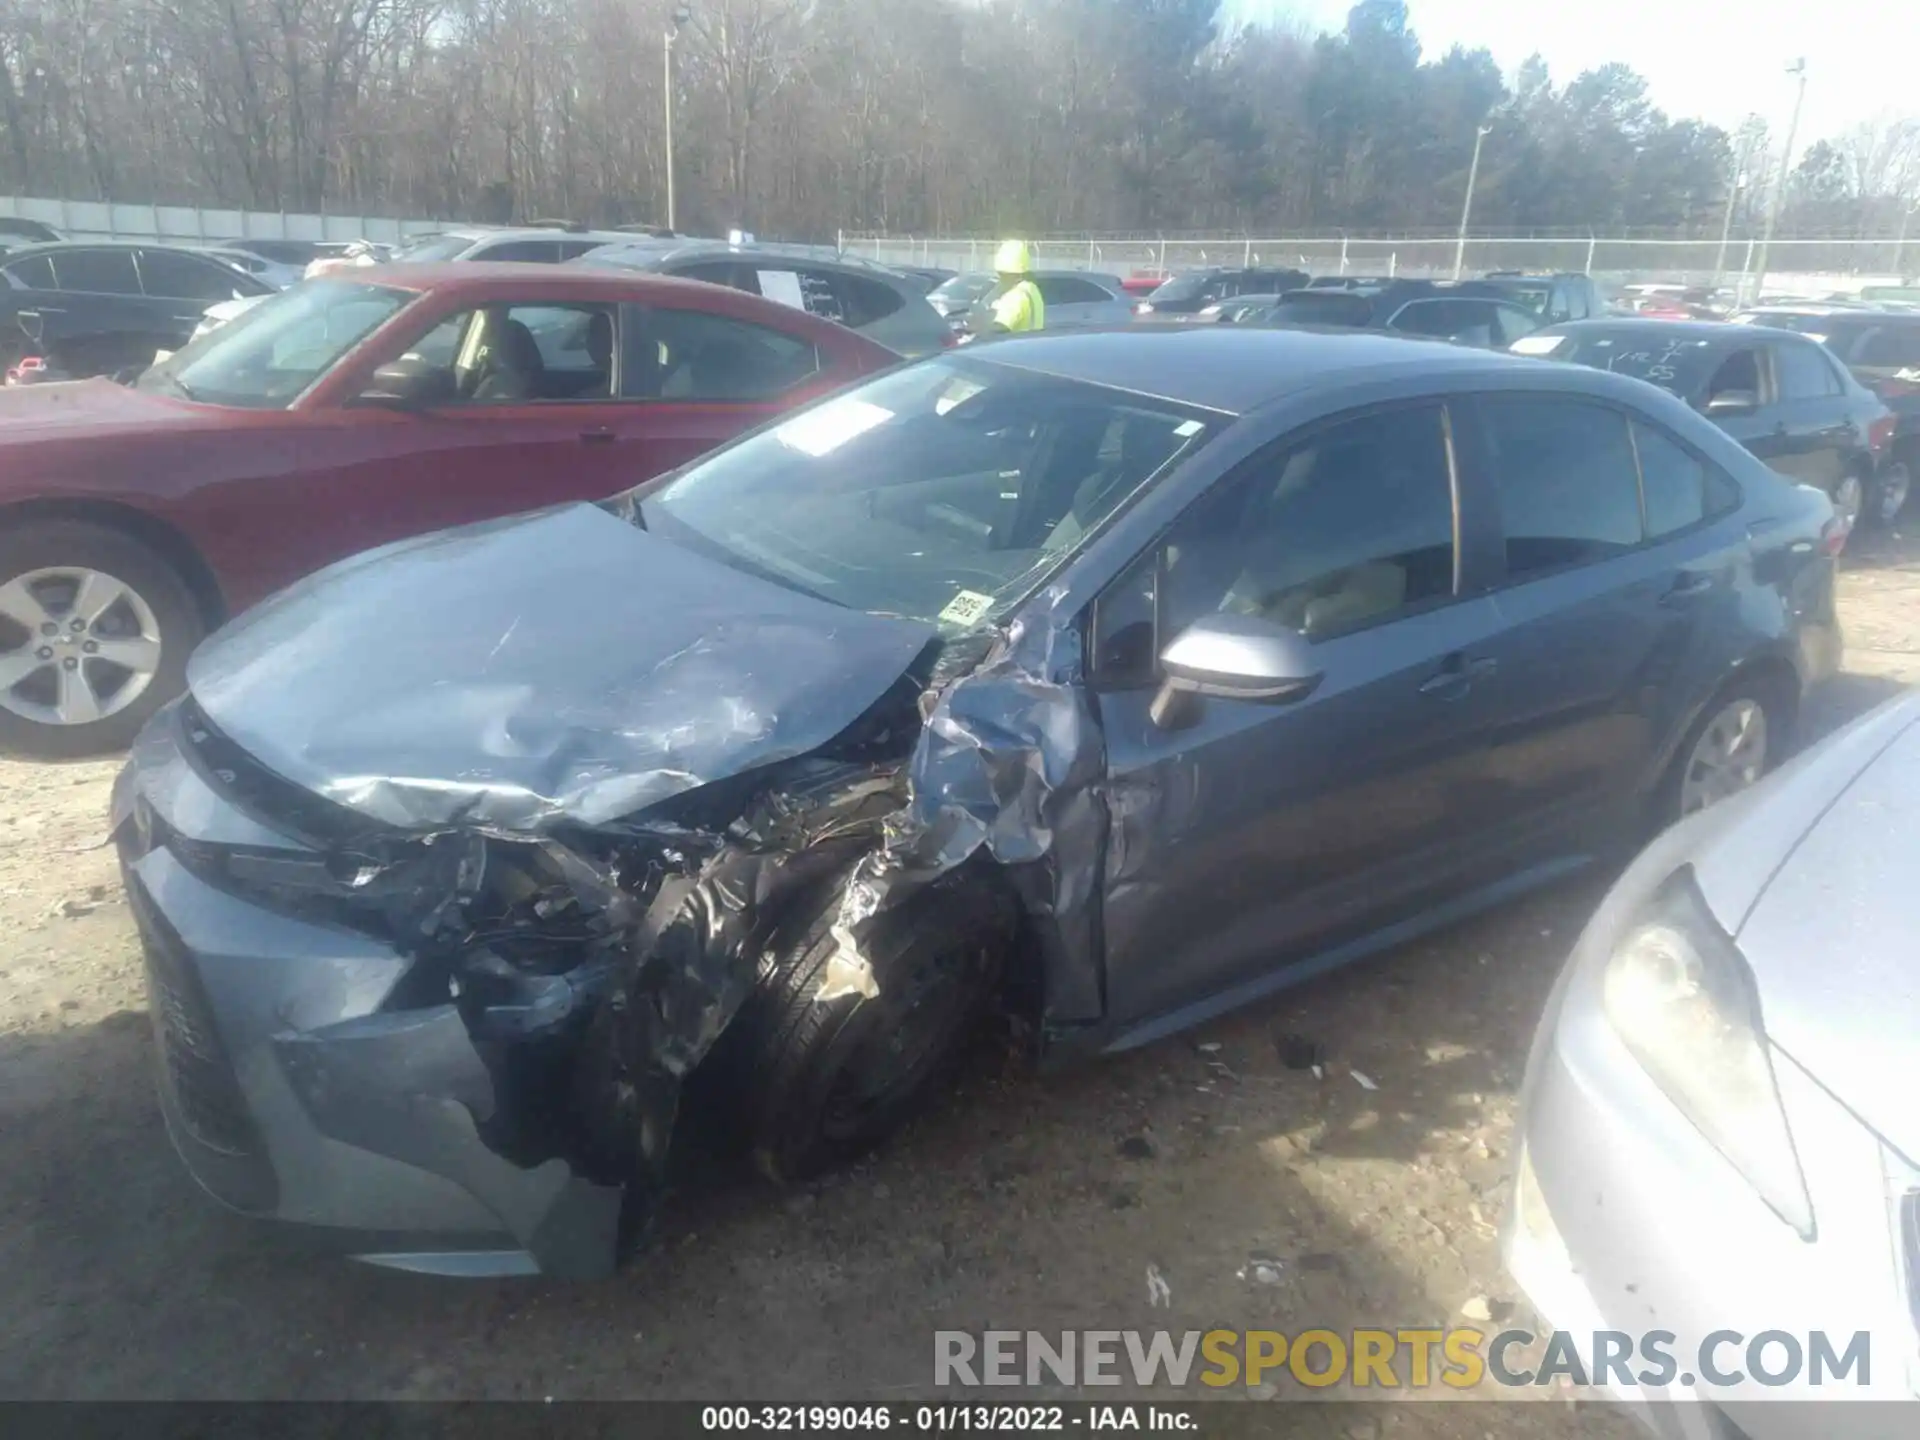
<point x="1365" y="1080"/>
<point x="848" y="972"/>
<point x="1159" y="1293"/>
<point x="1262" y="1270"/>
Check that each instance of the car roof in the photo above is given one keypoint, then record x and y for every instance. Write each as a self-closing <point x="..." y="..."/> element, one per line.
<point x="62" y="247"/>
<point x="647" y="251"/>
<point x="481" y="280"/>
<point x="1709" y="330"/>
<point x="1235" y="370"/>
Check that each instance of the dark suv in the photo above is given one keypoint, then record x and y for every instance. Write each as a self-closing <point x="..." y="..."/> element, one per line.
<point x="1880" y="347"/>
<point x="1191" y="292"/>
<point x="99" y="309"/>
<point x="1551" y="299"/>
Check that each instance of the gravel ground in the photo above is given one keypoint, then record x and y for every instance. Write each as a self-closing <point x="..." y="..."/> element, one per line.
<point x="1026" y="1202"/>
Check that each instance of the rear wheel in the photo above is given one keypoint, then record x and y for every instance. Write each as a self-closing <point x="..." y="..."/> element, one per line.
<point x="95" y="629"/>
<point x="1849" y="503"/>
<point x="1740" y="735"/>
<point x="825" y="1080"/>
<point x="1887" y="496"/>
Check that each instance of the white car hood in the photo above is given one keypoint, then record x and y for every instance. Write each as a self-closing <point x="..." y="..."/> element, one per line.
<point x="1834" y="937"/>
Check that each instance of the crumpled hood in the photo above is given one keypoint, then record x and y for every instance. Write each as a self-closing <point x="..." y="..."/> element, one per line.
<point x="563" y="665"/>
<point x="1834" y="942"/>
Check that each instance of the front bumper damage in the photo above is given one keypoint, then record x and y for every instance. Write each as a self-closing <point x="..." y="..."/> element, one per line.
<point x="460" y="1045"/>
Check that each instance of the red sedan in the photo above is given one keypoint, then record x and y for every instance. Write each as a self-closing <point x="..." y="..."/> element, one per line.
<point x="342" y="414"/>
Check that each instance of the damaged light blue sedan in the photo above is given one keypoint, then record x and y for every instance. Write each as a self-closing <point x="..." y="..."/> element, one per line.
<point x="1110" y="680"/>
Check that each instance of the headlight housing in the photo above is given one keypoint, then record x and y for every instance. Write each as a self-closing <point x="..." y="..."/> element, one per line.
<point x="1682" y="999"/>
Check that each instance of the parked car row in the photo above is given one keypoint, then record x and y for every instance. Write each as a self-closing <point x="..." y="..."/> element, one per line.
<point x="1782" y="389"/>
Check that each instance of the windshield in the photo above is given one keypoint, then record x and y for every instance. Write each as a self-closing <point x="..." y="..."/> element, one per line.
<point x="433" y="247"/>
<point x="266" y="358"/>
<point x="1532" y="298"/>
<point x="1182" y="287"/>
<point x="942" y="492"/>
<point x="1679" y="365"/>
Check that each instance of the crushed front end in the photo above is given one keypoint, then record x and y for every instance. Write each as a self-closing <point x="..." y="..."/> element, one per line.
<point x="461" y="1049"/>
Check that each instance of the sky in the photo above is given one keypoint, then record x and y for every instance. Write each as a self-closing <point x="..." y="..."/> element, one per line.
<point x="1715" y="60"/>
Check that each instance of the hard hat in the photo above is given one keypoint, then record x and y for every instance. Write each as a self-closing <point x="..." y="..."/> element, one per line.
<point x="1012" y="258"/>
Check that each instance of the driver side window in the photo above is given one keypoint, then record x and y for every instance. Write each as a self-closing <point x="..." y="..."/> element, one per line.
<point x="522" y="354"/>
<point x="1350" y="527"/>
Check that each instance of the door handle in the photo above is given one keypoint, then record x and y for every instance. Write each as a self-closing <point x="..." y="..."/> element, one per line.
<point x="1456" y="675"/>
<point x="598" y="436"/>
<point x="1686" y="586"/>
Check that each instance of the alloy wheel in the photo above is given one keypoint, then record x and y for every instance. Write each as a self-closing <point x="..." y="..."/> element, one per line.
<point x="76" y="645"/>
<point x="1730" y="755"/>
<point x="1849" y="498"/>
<point x="1892" y="499"/>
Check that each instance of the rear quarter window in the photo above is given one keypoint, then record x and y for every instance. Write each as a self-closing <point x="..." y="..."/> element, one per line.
<point x="33" y="273"/>
<point x="862" y="300"/>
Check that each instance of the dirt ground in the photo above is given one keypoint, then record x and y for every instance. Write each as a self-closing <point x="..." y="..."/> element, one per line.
<point x="1028" y="1203"/>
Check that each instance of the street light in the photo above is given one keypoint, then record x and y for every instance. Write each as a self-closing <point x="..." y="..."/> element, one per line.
<point x="1799" y="68"/>
<point x="1466" y="210"/>
<point x="681" y="15"/>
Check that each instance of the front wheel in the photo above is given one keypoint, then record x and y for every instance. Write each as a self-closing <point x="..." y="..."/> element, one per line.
<point x="828" y="1079"/>
<point x="95" y="629"/>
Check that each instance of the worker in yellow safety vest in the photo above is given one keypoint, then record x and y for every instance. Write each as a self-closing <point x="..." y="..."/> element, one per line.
<point x="1015" y="304"/>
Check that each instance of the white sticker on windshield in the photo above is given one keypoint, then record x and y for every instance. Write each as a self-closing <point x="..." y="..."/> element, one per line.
<point x="826" y="428"/>
<point x="782" y="285"/>
<point x="969" y="607"/>
<point x="1188" y="429"/>
<point x="957" y="393"/>
<point x="1536" y="344"/>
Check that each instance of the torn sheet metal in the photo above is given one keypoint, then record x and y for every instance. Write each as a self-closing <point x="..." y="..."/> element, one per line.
<point x="593" y="671"/>
<point x="1009" y="762"/>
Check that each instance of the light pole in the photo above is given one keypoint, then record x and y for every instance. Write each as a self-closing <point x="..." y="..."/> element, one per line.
<point x="1799" y="68"/>
<point x="1466" y="210"/>
<point x="681" y="14"/>
<point x="1726" y="223"/>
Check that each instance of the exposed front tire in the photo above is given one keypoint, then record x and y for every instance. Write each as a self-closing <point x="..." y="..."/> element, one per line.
<point x="825" y="1080"/>
<point x="95" y="630"/>
<point x="1740" y="735"/>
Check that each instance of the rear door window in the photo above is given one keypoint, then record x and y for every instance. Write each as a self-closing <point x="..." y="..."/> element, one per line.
<point x="97" y="272"/>
<point x="862" y="300"/>
<point x="33" y="273"/>
<point x="1567" y="480"/>
<point x="693" y="356"/>
<point x="167" y="275"/>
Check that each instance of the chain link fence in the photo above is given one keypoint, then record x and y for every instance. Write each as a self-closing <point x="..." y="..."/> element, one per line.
<point x="1791" y="264"/>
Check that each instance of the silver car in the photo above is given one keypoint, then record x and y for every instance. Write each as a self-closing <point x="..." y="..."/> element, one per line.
<point x="1075" y="299"/>
<point x="1720" y="1147"/>
<point x="881" y="304"/>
